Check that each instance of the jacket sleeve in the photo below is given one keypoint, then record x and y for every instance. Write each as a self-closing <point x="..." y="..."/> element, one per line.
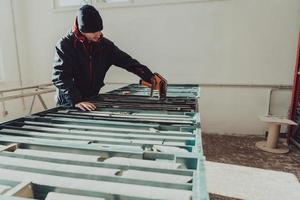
<point x="125" y="61"/>
<point x="62" y="76"/>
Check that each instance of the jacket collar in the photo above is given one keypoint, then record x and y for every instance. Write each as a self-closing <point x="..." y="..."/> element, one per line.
<point x="78" y="36"/>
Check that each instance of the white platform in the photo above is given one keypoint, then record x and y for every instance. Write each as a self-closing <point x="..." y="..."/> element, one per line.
<point x="251" y="183"/>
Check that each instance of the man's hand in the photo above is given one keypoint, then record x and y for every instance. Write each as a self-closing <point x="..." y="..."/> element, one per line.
<point x="86" y="106"/>
<point x="157" y="83"/>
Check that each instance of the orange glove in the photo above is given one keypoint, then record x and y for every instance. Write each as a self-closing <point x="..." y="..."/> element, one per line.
<point x="157" y="83"/>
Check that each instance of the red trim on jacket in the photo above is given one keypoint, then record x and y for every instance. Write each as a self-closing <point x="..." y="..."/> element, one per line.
<point x="88" y="46"/>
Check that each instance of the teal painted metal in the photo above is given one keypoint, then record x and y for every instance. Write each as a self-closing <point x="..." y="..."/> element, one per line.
<point x="174" y="90"/>
<point x="133" y="145"/>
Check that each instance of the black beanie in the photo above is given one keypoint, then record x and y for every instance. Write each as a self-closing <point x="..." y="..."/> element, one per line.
<point x="89" y="19"/>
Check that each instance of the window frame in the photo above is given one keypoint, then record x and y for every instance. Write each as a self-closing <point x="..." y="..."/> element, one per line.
<point x="138" y="3"/>
<point x="57" y="8"/>
<point x="102" y="4"/>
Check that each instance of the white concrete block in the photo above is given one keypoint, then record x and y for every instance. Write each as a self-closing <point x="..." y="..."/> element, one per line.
<point x="62" y="196"/>
<point x="251" y="183"/>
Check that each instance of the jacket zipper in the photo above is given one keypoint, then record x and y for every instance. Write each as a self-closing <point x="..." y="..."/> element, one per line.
<point x="91" y="68"/>
<point x="89" y="53"/>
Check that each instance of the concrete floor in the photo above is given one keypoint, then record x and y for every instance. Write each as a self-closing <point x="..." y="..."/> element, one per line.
<point x="241" y="150"/>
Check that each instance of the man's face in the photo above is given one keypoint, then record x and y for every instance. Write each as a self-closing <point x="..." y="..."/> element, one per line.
<point x="93" y="37"/>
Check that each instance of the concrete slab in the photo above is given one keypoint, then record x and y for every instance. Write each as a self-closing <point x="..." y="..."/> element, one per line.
<point x="58" y="155"/>
<point x="169" y="149"/>
<point x="166" y="178"/>
<point x="55" y="196"/>
<point x="142" y="163"/>
<point x="251" y="183"/>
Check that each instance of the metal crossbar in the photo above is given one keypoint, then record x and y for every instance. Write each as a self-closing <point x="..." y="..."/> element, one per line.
<point x="38" y="90"/>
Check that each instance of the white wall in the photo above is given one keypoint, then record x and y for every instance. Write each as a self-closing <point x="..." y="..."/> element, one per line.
<point x="7" y="46"/>
<point x="18" y="107"/>
<point x="10" y="65"/>
<point x="230" y="41"/>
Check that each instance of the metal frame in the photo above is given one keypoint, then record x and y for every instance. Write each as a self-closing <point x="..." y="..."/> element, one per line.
<point x="145" y="145"/>
<point x="38" y="91"/>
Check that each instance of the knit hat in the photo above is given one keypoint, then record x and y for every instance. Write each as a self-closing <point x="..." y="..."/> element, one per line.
<point x="89" y="19"/>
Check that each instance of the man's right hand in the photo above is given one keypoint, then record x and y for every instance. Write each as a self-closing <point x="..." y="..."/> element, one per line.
<point x="86" y="106"/>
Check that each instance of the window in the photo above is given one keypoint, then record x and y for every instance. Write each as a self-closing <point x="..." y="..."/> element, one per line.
<point x="74" y="4"/>
<point x="126" y="3"/>
<point x="63" y="5"/>
<point x="112" y="3"/>
<point x="115" y="1"/>
<point x="1" y="67"/>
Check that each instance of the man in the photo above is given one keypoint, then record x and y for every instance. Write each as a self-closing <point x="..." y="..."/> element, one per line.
<point x="82" y="59"/>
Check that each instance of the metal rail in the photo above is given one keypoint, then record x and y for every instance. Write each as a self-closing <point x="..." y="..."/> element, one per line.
<point x="40" y="86"/>
<point x="38" y="90"/>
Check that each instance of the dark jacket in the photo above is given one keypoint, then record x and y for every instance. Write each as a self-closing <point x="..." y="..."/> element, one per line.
<point x="80" y="68"/>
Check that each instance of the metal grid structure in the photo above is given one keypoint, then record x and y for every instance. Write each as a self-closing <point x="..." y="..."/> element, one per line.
<point x="131" y="147"/>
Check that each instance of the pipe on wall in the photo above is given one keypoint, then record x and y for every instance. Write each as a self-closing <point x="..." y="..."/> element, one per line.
<point x="243" y="85"/>
<point x="271" y="88"/>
